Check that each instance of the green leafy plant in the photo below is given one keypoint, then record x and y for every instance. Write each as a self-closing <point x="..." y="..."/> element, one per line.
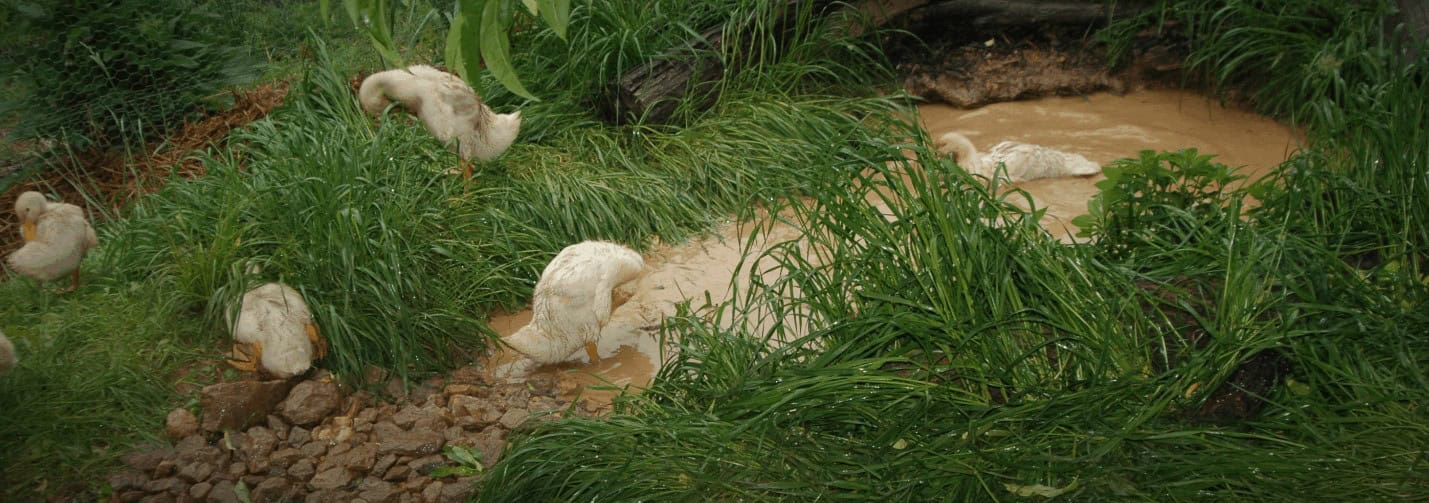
<point x="1144" y="198"/>
<point x="98" y="72"/>
<point x="467" y="459"/>
<point x="478" y="35"/>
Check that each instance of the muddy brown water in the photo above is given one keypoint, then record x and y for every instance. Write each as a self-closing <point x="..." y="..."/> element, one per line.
<point x="1102" y="127"/>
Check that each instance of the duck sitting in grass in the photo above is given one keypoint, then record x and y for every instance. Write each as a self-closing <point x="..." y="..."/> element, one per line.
<point x="7" y="354"/>
<point x="572" y="304"/>
<point x="275" y="321"/>
<point x="448" y="107"/>
<point x="57" y="236"/>
<point x="1023" y="161"/>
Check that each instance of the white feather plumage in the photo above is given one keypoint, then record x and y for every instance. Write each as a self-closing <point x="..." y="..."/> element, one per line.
<point x="275" y="316"/>
<point x="1023" y="161"/>
<point x="447" y="106"/>
<point x="572" y="301"/>
<point x="62" y="236"/>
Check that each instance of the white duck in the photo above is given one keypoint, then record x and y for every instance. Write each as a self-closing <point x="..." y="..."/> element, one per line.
<point x="1023" y="161"/>
<point x="57" y="236"/>
<point x="276" y="322"/>
<point x="7" y="354"/>
<point x="449" y="108"/>
<point x="572" y="302"/>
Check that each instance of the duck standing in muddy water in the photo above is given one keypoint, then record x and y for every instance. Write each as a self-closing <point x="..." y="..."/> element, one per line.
<point x="572" y="304"/>
<point x="57" y="236"/>
<point x="1023" y="161"/>
<point x="448" y="107"/>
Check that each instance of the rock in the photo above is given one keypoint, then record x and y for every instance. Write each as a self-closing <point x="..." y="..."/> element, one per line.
<point x="359" y="459"/>
<point x="396" y="389"/>
<point x="491" y="442"/>
<point x="313" y="449"/>
<point x="463" y="405"/>
<point x="373" y="374"/>
<point x="279" y="428"/>
<point x="195" y="472"/>
<point x="146" y="459"/>
<point x="283" y="458"/>
<point x="426" y="464"/>
<point x="159" y="498"/>
<point x="131" y="496"/>
<point x="171" y="485"/>
<point x="396" y="473"/>
<point x="433" y="492"/>
<point x="376" y="491"/>
<point x="385" y="429"/>
<point x="297" y="436"/>
<point x="331" y="478"/>
<point x="180" y="423"/>
<point x="166" y="468"/>
<point x="237" y="469"/>
<point x="310" y="402"/>
<point x="543" y="384"/>
<point x="384" y="463"/>
<point x="127" y="479"/>
<point x="274" y="489"/>
<point x="457" y="490"/>
<point x="238" y="405"/>
<point x="368" y="415"/>
<point x="302" y="469"/>
<point x="258" y="443"/>
<point x="454" y="434"/>
<point x="470" y="390"/>
<point x="514" y="417"/>
<point x="414" y="443"/>
<point x="199" y="491"/>
<point x="407" y="416"/>
<point x="222" y="492"/>
<point x="414" y="484"/>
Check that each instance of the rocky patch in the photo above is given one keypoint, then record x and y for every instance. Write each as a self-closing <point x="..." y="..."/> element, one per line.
<point x="308" y="441"/>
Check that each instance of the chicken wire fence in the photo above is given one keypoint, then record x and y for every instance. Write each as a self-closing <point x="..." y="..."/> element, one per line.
<point x="81" y="74"/>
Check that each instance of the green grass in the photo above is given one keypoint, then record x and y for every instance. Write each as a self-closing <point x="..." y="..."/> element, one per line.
<point x="399" y="260"/>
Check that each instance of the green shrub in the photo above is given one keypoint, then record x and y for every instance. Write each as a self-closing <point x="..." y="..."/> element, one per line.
<point x="97" y="72"/>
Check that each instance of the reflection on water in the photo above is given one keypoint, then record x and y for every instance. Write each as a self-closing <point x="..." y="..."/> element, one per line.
<point x="1102" y="127"/>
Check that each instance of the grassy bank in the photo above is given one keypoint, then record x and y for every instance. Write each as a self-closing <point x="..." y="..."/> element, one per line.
<point x="400" y="260"/>
<point x="1193" y="348"/>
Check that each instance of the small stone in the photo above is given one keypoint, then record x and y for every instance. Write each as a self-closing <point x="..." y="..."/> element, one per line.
<point x="491" y="442"/>
<point x="278" y="426"/>
<point x="368" y="415"/>
<point x="195" y="472"/>
<point x="237" y="469"/>
<point x="284" y="458"/>
<point x="373" y="374"/>
<point x="166" y="468"/>
<point x="302" y="469"/>
<point x="376" y="491"/>
<point x="514" y="417"/>
<point x="127" y="479"/>
<point x="171" y="485"/>
<point x="310" y="402"/>
<point x="454" y="434"/>
<point x="384" y="463"/>
<point x="180" y="423"/>
<point x="199" y="491"/>
<point x="415" y="443"/>
<point x="457" y="490"/>
<point x="298" y="435"/>
<point x="453" y="390"/>
<point x="223" y="492"/>
<point x="313" y="449"/>
<point x="273" y="489"/>
<point x="146" y="459"/>
<point x="427" y="464"/>
<point x="331" y="478"/>
<point x="432" y="492"/>
<point x="396" y="473"/>
<point x="543" y="384"/>
<point x="240" y="404"/>
<point x="359" y="459"/>
<point x="131" y="496"/>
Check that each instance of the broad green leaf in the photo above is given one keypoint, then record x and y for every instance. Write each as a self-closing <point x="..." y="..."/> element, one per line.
<point x="557" y="14"/>
<point x="471" y="25"/>
<point x="325" y="8"/>
<point x="531" y="6"/>
<point x="452" y="55"/>
<point x="496" y="50"/>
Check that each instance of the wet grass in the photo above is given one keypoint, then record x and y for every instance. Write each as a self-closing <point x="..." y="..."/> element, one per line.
<point x="399" y="259"/>
<point x="953" y="352"/>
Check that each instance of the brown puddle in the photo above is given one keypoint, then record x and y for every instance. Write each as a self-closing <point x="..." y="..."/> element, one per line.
<point x="1102" y="127"/>
<point x="1105" y="127"/>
